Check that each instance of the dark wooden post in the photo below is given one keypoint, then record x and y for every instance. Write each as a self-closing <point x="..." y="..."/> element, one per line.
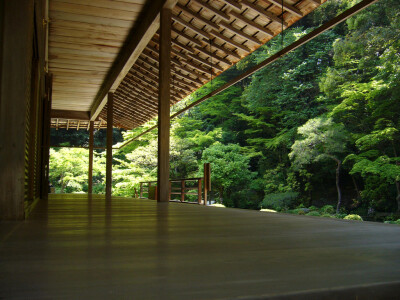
<point x="33" y="136"/>
<point x="207" y="180"/>
<point x="46" y="138"/>
<point x="164" y="105"/>
<point x="141" y="190"/>
<point x="110" y="107"/>
<point x="91" y="142"/>
<point x="183" y="190"/>
<point x="199" y="192"/>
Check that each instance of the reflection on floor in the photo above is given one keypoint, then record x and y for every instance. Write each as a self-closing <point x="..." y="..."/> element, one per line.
<point x="137" y="249"/>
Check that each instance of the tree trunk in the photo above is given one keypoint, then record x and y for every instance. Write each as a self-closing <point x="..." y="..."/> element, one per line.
<point x="339" y="192"/>
<point x="397" y="182"/>
<point x="398" y="195"/>
<point x="356" y="187"/>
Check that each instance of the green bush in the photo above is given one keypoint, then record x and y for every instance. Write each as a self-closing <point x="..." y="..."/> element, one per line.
<point x="279" y="200"/>
<point x="328" y="209"/>
<point x="314" y="214"/>
<point x="301" y="212"/>
<point x="327" y="216"/>
<point x="393" y="222"/>
<point x="353" y="217"/>
<point x="313" y="208"/>
<point x="340" y="216"/>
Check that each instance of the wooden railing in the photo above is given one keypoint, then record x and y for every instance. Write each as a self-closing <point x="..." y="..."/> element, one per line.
<point x="180" y="188"/>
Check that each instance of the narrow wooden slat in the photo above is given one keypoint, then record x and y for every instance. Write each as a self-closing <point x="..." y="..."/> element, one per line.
<point x="265" y="13"/>
<point x="191" y="27"/>
<point x="229" y="41"/>
<point x="287" y="7"/>
<point x="211" y="8"/>
<point x="252" y="23"/>
<point x="186" y="36"/>
<point x="233" y="4"/>
<point x="240" y="32"/>
<point x="197" y="16"/>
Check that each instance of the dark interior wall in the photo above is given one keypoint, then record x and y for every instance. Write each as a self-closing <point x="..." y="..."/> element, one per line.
<point x="20" y="32"/>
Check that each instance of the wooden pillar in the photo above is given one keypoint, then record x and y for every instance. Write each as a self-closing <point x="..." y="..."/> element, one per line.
<point x="16" y="31"/>
<point x="207" y="180"/>
<point x="164" y="105"/>
<point x="110" y="107"/>
<point x="33" y="136"/>
<point x="199" y="192"/>
<point x="183" y="186"/>
<point x="44" y="192"/>
<point x="91" y="142"/>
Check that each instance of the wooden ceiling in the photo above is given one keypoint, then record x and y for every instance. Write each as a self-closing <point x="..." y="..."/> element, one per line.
<point x="85" y="37"/>
<point x="208" y="37"/>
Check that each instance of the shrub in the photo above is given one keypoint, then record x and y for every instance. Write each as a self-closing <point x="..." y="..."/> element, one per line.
<point x="327" y="216"/>
<point x="301" y="212"/>
<point x="279" y="200"/>
<point x="328" y="209"/>
<point x="353" y="217"/>
<point x="313" y="208"/>
<point x="314" y="214"/>
<point x="340" y="216"/>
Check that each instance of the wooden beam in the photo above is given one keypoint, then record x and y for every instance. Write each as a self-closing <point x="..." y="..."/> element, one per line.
<point x="197" y="16"/>
<point x="110" y="107"/>
<point x="233" y="4"/>
<point x="229" y="41"/>
<point x="199" y="31"/>
<point x="211" y="8"/>
<point x="269" y="15"/>
<point x="91" y="144"/>
<point x="252" y="23"/>
<point x="70" y="114"/>
<point x="287" y="7"/>
<point x="186" y="36"/>
<point x="240" y="33"/>
<point x="164" y="106"/>
<point x="141" y="33"/>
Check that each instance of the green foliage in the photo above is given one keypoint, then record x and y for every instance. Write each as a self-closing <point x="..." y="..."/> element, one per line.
<point x="353" y="217"/>
<point x="322" y="139"/>
<point x="279" y="201"/>
<point x="327" y="209"/>
<point x="314" y="214"/>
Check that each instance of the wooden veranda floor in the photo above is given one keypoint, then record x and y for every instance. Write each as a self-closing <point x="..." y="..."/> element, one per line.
<point x="75" y="247"/>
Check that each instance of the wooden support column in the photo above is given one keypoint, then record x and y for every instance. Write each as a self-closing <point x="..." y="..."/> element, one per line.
<point x="91" y="143"/>
<point x="164" y="105"/>
<point x="110" y="107"/>
<point x="44" y="192"/>
<point x="183" y="187"/>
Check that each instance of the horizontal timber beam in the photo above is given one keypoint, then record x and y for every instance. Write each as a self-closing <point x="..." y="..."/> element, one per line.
<point x="70" y="114"/>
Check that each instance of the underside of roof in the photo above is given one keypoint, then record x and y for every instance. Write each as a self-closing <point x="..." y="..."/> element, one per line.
<point x="208" y="37"/>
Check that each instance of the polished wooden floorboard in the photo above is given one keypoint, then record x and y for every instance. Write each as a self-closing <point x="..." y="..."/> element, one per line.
<point x="79" y="247"/>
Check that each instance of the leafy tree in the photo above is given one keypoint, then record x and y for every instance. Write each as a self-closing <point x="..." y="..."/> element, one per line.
<point x="229" y="169"/>
<point x="69" y="169"/>
<point x="322" y="139"/>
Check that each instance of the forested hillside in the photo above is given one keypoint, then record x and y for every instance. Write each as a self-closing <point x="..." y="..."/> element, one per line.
<point x="320" y="126"/>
